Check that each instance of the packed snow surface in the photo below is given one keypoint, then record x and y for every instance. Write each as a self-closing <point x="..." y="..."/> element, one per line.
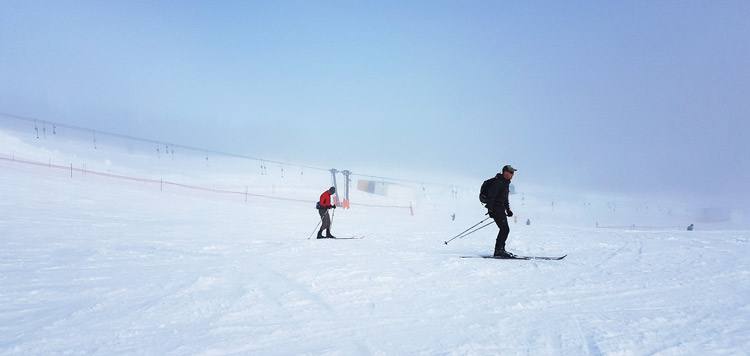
<point x="91" y="265"/>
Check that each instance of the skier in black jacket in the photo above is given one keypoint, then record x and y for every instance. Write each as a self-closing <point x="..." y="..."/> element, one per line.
<point x="498" y="208"/>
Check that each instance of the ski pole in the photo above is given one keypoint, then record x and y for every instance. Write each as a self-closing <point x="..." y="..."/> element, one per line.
<point x="477" y="229"/>
<point x="471" y="232"/>
<point x="316" y="227"/>
<point x="330" y="225"/>
<point x="464" y="233"/>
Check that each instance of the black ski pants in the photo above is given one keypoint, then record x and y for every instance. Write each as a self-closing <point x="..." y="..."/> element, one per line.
<point x="502" y="223"/>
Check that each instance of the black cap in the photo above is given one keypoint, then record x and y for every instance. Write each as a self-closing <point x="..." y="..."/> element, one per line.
<point x="332" y="190"/>
<point x="509" y="168"/>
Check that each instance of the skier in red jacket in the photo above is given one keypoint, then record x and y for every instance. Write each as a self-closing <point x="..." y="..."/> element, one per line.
<point x="323" y="205"/>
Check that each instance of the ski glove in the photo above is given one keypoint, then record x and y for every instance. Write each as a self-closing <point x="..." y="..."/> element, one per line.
<point x="333" y="206"/>
<point x="489" y="213"/>
<point x="510" y="213"/>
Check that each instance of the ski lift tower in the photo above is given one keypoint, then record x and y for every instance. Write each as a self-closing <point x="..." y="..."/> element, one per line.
<point x="346" y="174"/>
<point x="333" y="175"/>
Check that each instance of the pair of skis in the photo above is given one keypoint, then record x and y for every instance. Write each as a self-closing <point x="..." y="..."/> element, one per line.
<point x="546" y="258"/>
<point x="355" y="237"/>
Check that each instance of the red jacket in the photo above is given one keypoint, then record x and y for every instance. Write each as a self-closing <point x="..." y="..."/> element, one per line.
<point x="325" y="200"/>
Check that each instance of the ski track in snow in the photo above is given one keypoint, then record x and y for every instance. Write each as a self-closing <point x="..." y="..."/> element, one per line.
<point x="94" y="267"/>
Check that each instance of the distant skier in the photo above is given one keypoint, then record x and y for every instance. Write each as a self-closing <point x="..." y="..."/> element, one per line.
<point x="690" y="228"/>
<point x="496" y="192"/>
<point x="323" y="205"/>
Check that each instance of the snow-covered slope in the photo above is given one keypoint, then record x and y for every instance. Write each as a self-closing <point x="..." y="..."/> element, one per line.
<point x="91" y="265"/>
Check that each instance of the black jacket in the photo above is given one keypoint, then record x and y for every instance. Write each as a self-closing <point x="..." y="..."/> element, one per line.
<point x="497" y="196"/>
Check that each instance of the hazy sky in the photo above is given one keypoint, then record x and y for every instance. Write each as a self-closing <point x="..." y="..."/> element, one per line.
<point x="626" y="96"/>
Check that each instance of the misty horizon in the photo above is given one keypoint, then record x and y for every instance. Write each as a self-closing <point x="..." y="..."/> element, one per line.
<point x="132" y="159"/>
